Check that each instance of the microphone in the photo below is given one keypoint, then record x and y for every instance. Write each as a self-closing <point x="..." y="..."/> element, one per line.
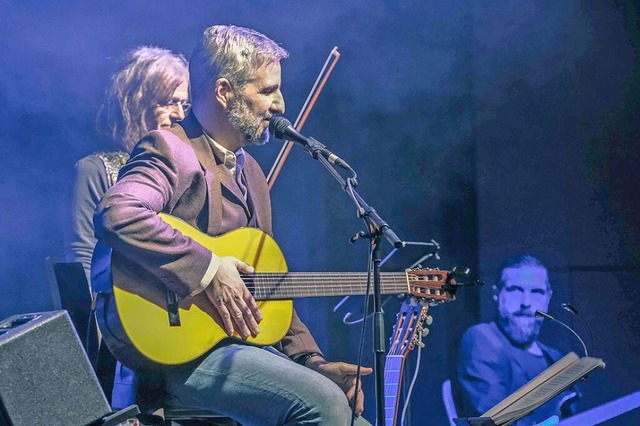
<point x="282" y="129"/>
<point x="549" y="317"/>
<point x="569" y="308"/>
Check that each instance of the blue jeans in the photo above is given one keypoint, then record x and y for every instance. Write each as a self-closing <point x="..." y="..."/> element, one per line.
<point x="125" y="385"/>
<point x="256" y="386"/>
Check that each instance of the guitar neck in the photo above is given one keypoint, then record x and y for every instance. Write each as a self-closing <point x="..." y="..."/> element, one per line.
<point x="406" y="335"/>
<point x="393" y="368"/>
<point x="291" y="285"/>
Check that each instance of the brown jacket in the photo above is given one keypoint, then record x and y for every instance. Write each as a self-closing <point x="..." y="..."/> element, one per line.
<point x="178" y="172"/>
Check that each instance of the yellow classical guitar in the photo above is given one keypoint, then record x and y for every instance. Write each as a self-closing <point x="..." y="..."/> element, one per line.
<point x="136" y="324"/>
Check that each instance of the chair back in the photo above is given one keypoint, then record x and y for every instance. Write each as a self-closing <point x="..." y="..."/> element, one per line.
<point x="449" y="404"/>
<point x="70" y="291"/>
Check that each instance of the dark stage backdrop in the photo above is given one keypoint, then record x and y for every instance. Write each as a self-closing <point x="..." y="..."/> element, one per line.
<point x="487" y="126"/>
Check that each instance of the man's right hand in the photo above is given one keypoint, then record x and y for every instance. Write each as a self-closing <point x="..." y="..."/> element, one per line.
<point x="233" y="301"/>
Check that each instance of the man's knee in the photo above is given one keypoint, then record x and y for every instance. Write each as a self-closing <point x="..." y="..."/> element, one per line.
<point x="329" y="403"/>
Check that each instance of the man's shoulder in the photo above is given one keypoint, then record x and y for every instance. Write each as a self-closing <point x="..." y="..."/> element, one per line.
<point x="179" y="131"/>
<point x="482" y="328"/>
<point x="171" y="141"/>
<point x="554" y="353"/>
<point x="481" y="334"/>
<point x="172" y="134"/>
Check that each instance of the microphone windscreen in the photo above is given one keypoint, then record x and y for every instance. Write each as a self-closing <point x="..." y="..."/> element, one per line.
<point x="277" y="126"/>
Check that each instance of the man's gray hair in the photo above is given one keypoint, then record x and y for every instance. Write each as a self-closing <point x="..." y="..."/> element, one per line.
<point x="230" y="52"/>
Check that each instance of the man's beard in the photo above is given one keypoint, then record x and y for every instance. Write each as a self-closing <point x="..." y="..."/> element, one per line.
<point x="522" y="328"/>
<point x="246" y="122"/>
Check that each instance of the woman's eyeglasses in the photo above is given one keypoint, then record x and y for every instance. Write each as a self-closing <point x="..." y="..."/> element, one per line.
<point x="176" y="105"/>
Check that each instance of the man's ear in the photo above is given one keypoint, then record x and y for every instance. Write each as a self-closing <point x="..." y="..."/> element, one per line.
<point x="223" y="92"/>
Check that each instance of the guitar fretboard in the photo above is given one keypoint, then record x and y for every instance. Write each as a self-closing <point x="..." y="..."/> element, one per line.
<point x="392" y="370"/>
<point x="290" y="285"/>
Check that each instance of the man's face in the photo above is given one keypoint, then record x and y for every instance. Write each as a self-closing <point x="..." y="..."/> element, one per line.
<point x="525" y="291"/>
<point x="252" y="107"/>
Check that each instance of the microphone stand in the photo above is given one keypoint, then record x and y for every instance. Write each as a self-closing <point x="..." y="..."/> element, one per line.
<point x="376" y="228"/>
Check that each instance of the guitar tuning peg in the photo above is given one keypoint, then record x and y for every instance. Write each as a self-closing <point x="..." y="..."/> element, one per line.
<point x="424" y="331"/>
<point x="422" y="345"/>
<point x="429" y="320"/>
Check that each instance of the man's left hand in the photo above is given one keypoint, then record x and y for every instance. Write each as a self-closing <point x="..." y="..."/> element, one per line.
<point x="345" y="376"/>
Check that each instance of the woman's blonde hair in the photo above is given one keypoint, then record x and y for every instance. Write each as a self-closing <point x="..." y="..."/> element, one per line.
<point x="148" y="77"/>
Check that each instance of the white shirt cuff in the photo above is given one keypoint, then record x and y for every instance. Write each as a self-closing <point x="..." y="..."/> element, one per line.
<point x="214" y="264"/>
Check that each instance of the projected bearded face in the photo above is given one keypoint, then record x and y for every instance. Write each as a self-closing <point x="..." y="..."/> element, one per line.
<point x="251" y="109"/>
<point x="525" y="290"/>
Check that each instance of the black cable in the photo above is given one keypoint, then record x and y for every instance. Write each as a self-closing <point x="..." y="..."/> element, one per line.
<point x="87" y="344"/>
<point x="365" y="308"/>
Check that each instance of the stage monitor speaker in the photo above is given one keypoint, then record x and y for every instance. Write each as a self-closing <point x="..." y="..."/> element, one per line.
<point x="45" y="375"/>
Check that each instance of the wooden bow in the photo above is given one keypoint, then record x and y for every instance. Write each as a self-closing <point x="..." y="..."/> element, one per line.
<point x="325" y="72"/>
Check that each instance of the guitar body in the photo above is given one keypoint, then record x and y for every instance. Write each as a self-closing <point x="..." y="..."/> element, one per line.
<point x="135" y="321"/>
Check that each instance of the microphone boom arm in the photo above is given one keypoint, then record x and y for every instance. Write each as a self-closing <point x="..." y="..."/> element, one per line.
<point x="549" y="317"/>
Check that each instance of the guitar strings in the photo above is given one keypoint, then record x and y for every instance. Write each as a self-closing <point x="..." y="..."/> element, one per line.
<point x="288" y="285"/>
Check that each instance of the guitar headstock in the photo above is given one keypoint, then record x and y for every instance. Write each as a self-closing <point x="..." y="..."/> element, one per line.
<point x="431" y="285"/>
<point x="409" y="328"/>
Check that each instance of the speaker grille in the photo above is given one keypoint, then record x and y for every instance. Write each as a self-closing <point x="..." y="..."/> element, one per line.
<point x="46" y="377"/>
